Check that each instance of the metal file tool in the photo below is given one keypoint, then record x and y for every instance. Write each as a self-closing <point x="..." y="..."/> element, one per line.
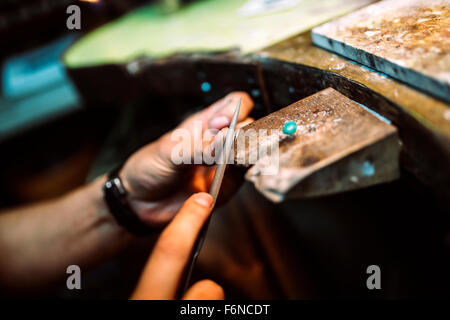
<point x="214" y="192"/>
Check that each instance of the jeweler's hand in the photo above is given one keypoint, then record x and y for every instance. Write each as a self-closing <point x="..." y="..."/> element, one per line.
<point x="157" y="186"/>
<point x="161" y="276"/>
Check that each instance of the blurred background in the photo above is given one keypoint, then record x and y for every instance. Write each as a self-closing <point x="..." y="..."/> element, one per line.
<point x="47" y="132"/>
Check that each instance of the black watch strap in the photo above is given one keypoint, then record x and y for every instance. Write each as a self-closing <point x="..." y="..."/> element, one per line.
<point x="116" y="199"/>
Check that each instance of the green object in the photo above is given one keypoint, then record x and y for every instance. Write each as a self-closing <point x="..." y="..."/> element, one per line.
<point x="207" y="25"/>
<point x="289" y="127"/>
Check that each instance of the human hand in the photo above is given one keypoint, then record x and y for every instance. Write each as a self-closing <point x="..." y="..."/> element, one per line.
<point x="157" y="186"/>
<point x="162" y="274"/>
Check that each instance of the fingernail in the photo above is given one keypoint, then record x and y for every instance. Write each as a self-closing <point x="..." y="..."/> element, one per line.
<point x="219" y="122"/>
<point x="231" y="108"/>
<point x="204" y="199"/>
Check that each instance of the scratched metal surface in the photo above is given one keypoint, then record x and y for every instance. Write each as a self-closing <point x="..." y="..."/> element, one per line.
<point x="330" y="128"/>
<point x="408" y="40"/>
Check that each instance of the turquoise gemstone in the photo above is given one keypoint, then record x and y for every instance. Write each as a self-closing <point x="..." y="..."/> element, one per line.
<point x="289" y="127"/>
<point x="206" y="86"/>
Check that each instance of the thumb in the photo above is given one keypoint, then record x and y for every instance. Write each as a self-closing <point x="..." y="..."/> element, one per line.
<point x="162" y="274"/>
<point x="205" y="290"/>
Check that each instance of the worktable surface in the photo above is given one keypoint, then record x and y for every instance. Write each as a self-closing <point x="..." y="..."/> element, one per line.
<point x="291" y="69"/>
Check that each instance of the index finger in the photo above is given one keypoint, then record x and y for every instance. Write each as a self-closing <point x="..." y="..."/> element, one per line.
<point x="220" y="113"/>
<point x="161" y="275"/>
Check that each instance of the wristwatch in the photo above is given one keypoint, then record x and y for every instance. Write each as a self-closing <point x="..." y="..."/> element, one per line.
<point x="116" y="199"/>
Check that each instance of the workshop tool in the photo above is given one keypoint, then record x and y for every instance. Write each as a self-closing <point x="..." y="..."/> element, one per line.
<point x="214" y="192"/>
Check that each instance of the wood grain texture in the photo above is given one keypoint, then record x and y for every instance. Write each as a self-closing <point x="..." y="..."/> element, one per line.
<point x="338" y="146"/>
<point x="408" y="40"/>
